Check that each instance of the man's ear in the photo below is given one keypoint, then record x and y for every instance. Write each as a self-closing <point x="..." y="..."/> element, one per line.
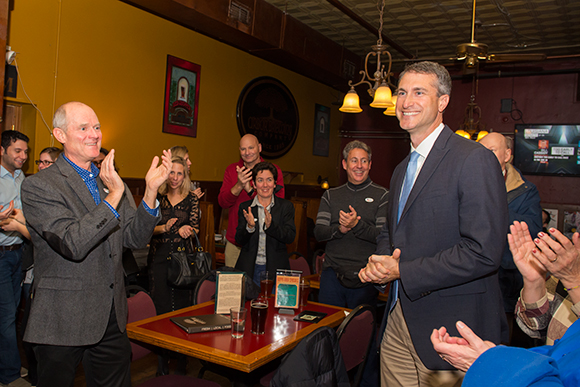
<point x="443" y="102"/>
<point x="60" y="135"/>
<point x="508" y="155"/>
<point x="259" y="148"/>
<point x="344" y="164"/>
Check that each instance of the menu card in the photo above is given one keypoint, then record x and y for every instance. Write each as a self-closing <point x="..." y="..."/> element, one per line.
<point x="229" y="291"/>
<point x="287" y="289"/>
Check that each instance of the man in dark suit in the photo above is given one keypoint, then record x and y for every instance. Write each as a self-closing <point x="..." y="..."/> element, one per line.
<point x="80" y="219"/>
<point x="441" y="246"/>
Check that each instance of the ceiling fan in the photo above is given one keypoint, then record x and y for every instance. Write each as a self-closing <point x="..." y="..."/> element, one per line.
<point x="474" y="53"/>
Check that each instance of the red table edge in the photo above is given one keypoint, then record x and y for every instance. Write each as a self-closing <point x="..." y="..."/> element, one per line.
<point x="246" y="363"/>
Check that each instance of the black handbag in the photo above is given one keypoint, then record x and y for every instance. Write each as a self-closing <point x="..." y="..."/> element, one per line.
<point x="187" y="267"/>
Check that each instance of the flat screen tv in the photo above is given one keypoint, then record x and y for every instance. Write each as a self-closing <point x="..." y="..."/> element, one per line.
<point x="541" y="149"/>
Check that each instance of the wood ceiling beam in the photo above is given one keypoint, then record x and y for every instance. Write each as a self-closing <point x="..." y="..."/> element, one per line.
<point x="344" y="9"/>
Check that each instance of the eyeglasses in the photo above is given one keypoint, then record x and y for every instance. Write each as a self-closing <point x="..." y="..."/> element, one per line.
<point x="44" y="162"/>
<point x="98" y="163"/>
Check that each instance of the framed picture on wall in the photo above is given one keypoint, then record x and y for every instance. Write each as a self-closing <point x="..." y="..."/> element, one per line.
<point x="181" y="97"/>
<point x="321" y="130"/>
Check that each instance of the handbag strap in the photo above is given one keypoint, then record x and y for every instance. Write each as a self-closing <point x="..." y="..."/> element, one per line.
<point x="198" y="246"/>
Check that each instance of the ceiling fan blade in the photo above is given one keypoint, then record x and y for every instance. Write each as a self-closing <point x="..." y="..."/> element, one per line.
<point x="430" y="59"/>
<point x="516" y="57"/>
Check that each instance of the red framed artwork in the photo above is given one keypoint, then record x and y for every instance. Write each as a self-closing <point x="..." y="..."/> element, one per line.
<point x="181" y="97"/>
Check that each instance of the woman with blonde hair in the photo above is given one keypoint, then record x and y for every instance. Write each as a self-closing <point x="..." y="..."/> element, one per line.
<point x="179" y="217"/>
<point x="181" y="151"/>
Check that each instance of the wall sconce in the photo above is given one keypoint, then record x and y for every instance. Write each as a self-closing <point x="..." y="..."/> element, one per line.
<point x="323" y="182"/>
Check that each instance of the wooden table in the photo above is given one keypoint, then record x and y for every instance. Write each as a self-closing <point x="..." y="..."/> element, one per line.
<point x="246" y="354"/>
<point x="315" y="284"/>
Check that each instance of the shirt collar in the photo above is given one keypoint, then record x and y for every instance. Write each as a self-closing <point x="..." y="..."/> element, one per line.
<point x="4" y="172"/>
<point x="364" y="184"/>
<point x="83" y="173"/>
<point x="256" y="202"/>
<point x="427" y="144"/>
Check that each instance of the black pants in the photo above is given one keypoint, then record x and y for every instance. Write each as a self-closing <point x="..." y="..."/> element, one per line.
<point x="106" y="363"/>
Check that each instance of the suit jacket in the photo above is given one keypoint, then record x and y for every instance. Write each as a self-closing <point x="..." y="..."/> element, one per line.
<point x="451" y="234"/>
<point x="77" y="255"/>
<point x="281" y="232"/>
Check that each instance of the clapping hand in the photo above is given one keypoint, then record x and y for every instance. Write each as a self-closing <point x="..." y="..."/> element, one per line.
<point x="185" y="231"/>
<point x="249" y="217"/>
<point x="347" y="220"/>
<point x="267" y="218"/>
<point x="462" y="351"/>
<point x="169" y="224"/>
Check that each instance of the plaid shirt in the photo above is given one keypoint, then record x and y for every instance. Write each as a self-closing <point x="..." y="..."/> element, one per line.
<point x="549" y="317"/>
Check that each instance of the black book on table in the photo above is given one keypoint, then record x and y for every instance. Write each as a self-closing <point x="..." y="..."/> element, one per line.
<point x="203" y="323"/>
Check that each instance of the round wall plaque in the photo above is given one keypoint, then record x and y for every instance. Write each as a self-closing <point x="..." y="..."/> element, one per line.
<point x="267" y="109"/>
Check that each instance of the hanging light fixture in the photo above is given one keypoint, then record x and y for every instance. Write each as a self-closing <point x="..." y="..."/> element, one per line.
<point x="378" y="83"/>
<point x="471" y="127"/>
<point x="391" y="109"/>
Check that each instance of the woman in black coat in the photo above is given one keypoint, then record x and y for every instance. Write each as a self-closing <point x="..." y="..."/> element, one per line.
<point x="268" y="219"/>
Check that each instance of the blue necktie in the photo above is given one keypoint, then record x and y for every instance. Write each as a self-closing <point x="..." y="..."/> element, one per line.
<point x="407" y="186"/>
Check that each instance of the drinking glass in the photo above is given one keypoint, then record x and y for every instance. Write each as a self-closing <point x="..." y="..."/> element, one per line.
<point x="304" y="291"/>
<point x="259" y="307"/>
<point x="238" y="319"/>
<point x="266" y="283"/>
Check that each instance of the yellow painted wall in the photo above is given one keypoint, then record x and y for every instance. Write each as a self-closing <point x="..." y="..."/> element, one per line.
<point x="112" y="56"/>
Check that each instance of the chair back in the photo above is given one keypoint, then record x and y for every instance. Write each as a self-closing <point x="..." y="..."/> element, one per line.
<point x="140" y="306"/>
<point x="355" y="336"/>
<point x="315" y="361"/>
<point x="318" y="261"/>
<point x="300" y="242"/>
<point x="298" y="262"/>
<point x="206" y="229"/>
<point x="205" y="289"/>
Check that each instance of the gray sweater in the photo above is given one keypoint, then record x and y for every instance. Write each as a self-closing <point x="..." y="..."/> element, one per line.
<point x="370" y="202"/>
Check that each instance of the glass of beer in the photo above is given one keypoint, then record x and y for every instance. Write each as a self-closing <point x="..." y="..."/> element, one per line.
<point x="266" y="283"/>
<point x="259" y="310"/>
<point x="304" y="291"/>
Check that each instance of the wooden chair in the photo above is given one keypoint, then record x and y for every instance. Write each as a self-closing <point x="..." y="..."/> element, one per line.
<point x="300" y="243"/>
<point x="207" y="229"/>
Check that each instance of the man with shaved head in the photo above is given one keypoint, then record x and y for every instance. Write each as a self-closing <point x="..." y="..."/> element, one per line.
<point x="523" y="205"/>
<point x="80" y="219"/>
<point x="237" y="188"/>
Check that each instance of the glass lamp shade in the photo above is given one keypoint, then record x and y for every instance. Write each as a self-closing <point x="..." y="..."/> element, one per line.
<point x="463" y="133"/>
<point x="391" y="109"/>
<point x="481" y="134"/>
<point x="325" y="185"/>
<point x="351" y="102"/>
<point x="382" y="98"/>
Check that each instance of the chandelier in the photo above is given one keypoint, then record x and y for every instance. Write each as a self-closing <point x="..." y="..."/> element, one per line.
<point x="471" y="128"/>
<point x="378" y="84"/>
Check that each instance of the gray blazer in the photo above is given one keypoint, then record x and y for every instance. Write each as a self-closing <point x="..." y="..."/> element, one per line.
<point x="77" y="256"/>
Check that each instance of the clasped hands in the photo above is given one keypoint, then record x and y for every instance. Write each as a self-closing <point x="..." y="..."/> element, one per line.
<point x="12" y="219"/>
<point x="347" y="220"/>
<point x="381" y="269"/>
